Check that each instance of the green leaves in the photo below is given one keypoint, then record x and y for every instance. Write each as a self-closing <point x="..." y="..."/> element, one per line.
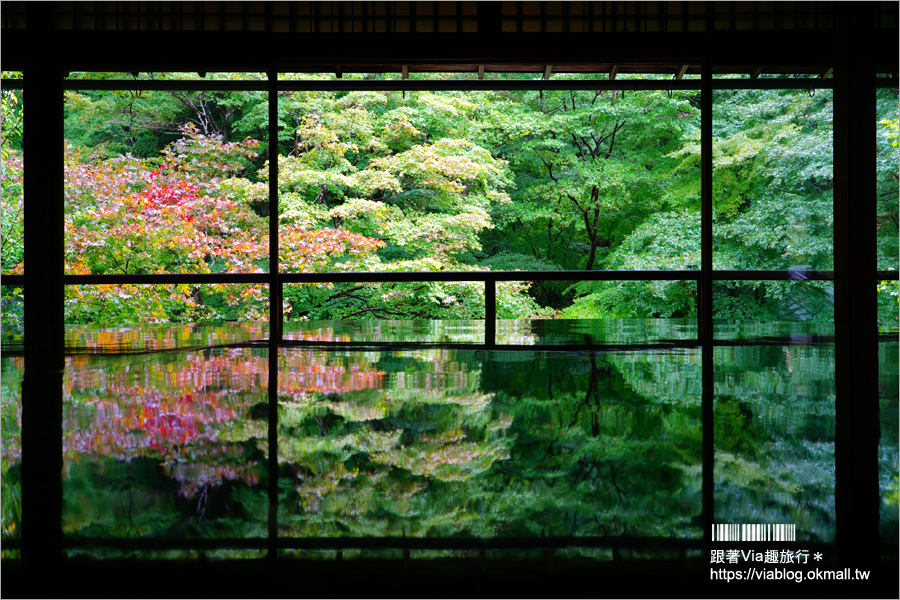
<point x="887" y="159"/>
<point x="590" y="167"/>
<point x="12" y="212"/>
<point x="11" y="119"/>
<point x="385" y="181"/>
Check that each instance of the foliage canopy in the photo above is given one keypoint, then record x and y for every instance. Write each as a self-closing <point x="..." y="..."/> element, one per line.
<point x="176" y="182"/>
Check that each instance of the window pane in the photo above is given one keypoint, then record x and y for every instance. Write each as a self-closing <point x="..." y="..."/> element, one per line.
<point x="887" y="174"/>
<point x="12" y="309"/>
<point x="444" y="331"/>
<point x="12" y="369"/>
<point x="774" y="437"/>
<point x="626" y="299"/>
<point x="165" y="182"/>
<point x="889" y="479"/>
<point x="555" y="332"/>
<point x="139" y="304"/>
<point x="445" y="443"/>
<point x="603" y="312"/>
<point x="12" y="213"/>
<point x="772" y="179"/>
<point x="430" y="311"/>
<point x="166" y="445"/>
<point x="503" y="180"/>
<point x="888" y="293"/>
<point x="748" y="310"/>
<point x="157" y="76"/>
<point x="428" y="181"/>
<point x="888" y="298"/>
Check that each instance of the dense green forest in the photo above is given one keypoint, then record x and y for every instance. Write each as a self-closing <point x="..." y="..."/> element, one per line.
<point x="177" y="182"/>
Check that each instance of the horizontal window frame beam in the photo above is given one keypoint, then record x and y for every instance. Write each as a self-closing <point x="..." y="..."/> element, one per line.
<point x="445" y="276"/>
<point x="595" y="349"/>
<point x="391" y="543"/>
<point x="408" y="543"/>
<point x="449" y="85"/>
<point x="166" y="85"/>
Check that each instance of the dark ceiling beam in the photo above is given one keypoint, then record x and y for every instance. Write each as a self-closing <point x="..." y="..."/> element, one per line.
<point x="253" y="51"/>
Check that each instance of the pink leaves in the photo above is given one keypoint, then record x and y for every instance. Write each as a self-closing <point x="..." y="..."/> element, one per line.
<point x="305" y="250"/>
<point x="125" y="216"/>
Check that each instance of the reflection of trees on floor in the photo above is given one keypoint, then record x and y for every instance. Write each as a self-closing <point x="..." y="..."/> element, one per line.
<point x="437" y="442"/>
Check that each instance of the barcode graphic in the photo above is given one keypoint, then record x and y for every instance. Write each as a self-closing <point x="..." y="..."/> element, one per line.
<point x="754" y="532"/>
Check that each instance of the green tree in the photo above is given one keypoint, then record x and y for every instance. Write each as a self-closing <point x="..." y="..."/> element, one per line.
<point x="590" y="167"/>
<point x="143" y="123"/>
<point x="398" y="168"/>
<point x="429" y="181"/>
<point x="887" y="159"/>
<point x="772" y="210"/>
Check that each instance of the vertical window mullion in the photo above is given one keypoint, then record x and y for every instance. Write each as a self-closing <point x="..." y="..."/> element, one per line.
<point x="275" y="312"/>
<point x="42" y="385"/>
<point x="857" y="420"/>
<point x="704" y="312"/>
<point x="490" y="312"/>
<point x="275" y="316"/>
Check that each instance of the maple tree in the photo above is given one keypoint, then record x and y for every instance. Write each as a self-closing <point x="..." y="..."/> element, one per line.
<point x="12" y="223"/>
<point x="12" y="208"/>
<point x="185" y="211"/>
<point x="164" y="215"/>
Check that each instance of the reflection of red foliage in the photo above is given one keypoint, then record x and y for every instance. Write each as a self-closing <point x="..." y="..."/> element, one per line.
<point x="130" y="425"/>
<point x="192" y="413"/>
<point x="303" y="371"/>
<point x="328" y="379"/>
<point x="170" y="429"/>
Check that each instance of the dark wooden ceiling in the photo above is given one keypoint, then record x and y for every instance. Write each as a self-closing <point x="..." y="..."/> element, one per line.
<point x="439" y="17"/>
<point x="671" y="39"/>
